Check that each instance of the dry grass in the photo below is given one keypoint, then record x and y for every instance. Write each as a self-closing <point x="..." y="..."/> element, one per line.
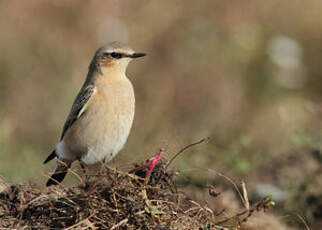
<point x="113" y="199"/>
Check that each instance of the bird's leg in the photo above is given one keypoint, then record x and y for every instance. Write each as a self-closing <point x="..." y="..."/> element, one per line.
<point x="106" y="160"/>
<point x="114" y="162"/>
<point x="82" y="164"/>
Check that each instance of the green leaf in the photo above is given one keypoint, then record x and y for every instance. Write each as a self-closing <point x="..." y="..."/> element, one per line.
<point x="146" y="209"/>
<point x="154" y="211"/>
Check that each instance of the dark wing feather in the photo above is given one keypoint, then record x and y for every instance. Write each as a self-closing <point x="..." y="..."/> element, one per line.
<point x="77" y="109"/>
<point x="59" y="174"/>
<point x="50" y="157"/>
<point x="56" y="178"/>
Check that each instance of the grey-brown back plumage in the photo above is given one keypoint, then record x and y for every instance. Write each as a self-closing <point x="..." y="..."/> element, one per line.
<point x="82" y="98"/>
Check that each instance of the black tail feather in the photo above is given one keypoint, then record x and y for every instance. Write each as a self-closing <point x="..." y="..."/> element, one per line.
<point x="56" y="178"/>
<point x="50" y="157"/>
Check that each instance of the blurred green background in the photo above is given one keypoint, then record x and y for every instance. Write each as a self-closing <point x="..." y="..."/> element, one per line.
<point x="247" y="74"/>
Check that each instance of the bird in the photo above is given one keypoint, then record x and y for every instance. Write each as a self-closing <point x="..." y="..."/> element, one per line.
<point x="101" y="116"/>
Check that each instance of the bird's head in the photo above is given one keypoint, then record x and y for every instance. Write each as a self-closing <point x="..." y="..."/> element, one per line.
<point x="114" y="55"/>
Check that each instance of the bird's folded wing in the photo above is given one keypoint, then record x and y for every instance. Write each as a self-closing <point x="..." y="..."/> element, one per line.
<point x="78" y="107"/>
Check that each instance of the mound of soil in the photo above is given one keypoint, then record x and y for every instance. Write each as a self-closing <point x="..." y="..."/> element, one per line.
<point x="115" y="200"/>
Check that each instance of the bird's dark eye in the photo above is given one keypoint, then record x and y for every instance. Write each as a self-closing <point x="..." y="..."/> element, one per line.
<point x="116" y="55"/>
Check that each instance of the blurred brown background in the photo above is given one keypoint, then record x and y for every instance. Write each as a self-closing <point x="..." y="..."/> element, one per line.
<point x="247" y="74"/>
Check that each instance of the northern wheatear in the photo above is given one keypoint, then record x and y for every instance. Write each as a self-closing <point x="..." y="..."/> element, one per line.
<point x="102" y="114"/>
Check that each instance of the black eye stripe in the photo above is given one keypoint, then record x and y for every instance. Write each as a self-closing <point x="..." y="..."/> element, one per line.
<point x="116" y="55"/>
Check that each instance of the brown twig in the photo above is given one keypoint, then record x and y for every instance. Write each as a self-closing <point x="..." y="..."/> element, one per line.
<point x="184" y="149"/>
<point x="263" y="204"/>
<point x="231" y="181"/>
<point x="301" y="219"/>
<point x="245" y="195"/>
<point x="84" y="221"/>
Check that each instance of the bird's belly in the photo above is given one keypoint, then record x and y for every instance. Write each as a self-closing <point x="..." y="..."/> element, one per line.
<point x="106" y="136"/>
<point x="103" y="133"/>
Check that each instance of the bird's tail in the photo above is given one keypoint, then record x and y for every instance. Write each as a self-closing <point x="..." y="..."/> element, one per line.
<point x="59" y="173"/>
<point x="50" y="156"/>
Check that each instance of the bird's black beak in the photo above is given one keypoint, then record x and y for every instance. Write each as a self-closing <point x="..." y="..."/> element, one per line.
<point x="137" y="55"/>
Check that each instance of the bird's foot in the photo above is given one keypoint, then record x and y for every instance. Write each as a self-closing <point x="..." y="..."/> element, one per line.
<point x="85" y="182"/>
